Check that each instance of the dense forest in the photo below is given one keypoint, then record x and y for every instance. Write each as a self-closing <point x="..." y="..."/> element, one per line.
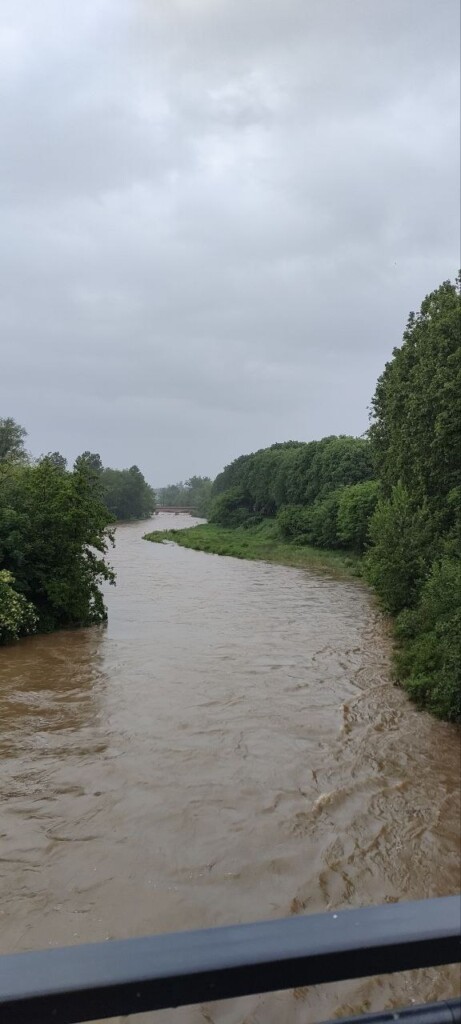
<point x="393" y="496"/>
<point x="194" y="493"/>
<point x="55" y="533"/>
<point x="126" y="494"/>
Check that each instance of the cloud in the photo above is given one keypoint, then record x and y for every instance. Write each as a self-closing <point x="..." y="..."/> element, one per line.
<point x="216" y="216"/>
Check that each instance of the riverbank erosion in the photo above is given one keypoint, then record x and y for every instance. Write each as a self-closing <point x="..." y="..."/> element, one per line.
<point x="259" y="543"/>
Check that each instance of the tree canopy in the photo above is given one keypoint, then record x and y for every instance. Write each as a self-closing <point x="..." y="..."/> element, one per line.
<point x="12" y="437"/>
<point x="294" y="473"/>
<point x="55" y="534"/>
<point x="53" y="540"/>
<point x="127" y="494"/>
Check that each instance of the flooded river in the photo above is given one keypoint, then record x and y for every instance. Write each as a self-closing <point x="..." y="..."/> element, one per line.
<point x="229" y="748"/>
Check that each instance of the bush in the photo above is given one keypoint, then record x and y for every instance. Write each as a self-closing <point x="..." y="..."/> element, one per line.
<point x="429" y="661"/>
<point x="356" y="507"/>
<point x="315" y="524"/>
<point x="324" y="522"/>
<point x="232" y="508"/>
<point x="17" y="616"/>
<point x="294" y="521"/>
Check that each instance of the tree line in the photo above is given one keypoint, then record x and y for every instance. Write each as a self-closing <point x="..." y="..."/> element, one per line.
<point x="194" y="493"/>
<point x="393" y="496"/>
<point x="55" y="534"/>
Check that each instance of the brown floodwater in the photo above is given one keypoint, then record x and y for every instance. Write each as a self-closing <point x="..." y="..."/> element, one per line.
<point x="229" y="748"/>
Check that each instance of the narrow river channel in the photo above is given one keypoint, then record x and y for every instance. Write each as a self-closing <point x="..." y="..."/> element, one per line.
<point x="229" y="748"/>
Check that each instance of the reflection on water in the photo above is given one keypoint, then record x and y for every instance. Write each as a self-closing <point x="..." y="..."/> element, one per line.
<point x="228" y="748"/>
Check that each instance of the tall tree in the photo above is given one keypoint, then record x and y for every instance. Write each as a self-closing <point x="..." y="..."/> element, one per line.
<point x="417" y="403"/>
<point x="416" y="529"/>
<point x="12" y="437"/>
<point x="126" y="493"/>
<point x="53" y="541"/>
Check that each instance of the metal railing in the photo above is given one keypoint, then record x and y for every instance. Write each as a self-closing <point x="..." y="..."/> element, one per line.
<point x="84" y="983"/>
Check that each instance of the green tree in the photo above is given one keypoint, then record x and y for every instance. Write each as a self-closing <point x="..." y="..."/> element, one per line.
<point x="12" y="437"/>
<point x="195" y="493"/>
<point x="417" y="403"/>
<point x="356" y="507"/>
<point x="295" y="523"/>
<point x="53" y="539"/>
<point x="126" y="493"/>
<point x="402" y="544"/>
<point x="172" y="496"/>
<point x="17" y="616"/>
<point x="429" y="659"/>
<point x="324" y="522"/>
<point x="91" y="463"/>
<point x="58" y="460"/>
<point x="198" y="494"/>
<point x="416" y="529"/>
<point x="232" y="508"/>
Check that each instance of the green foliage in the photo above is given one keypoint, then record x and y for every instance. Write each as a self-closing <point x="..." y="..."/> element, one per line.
<point x="357" y="504"/>
<point x="53" y="538"/>
<point x="125" y="492"/>
<point x="259" y="542"/>
<point x="324" y="522"/>
<point x="337" y="462"/>
<point x="17" y="616"/>
<point x="57" y="460"/>
<point x="232" y="508"/>
<point x="429" y="659"/>
<point x="340" y="520"/>
<point x="194" y="493"/>
<point x="414" y="561"/>
<point x="395" y="496"/>
<point x="417" y="403"/>
<point x="296" y="474"/>
<point x="399" y="557"/>
<point x="294" y="522"/>
<point x="12" y="437"/>
<point x="91" y="463"/>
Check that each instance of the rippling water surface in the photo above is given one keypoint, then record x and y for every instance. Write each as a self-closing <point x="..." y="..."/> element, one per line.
<point x="228" y="748"/>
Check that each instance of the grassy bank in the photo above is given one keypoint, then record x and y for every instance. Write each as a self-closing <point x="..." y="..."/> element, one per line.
<point x="261" y="543"/>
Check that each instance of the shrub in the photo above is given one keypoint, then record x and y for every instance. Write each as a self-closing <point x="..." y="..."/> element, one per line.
<point x="429" y="661"/>
<point x="17" y="616"/>
<point x="294" y="521"/>
<point x="356" y="507"/>
<point x="232" y="508"/>
<point x="324" y="522"/>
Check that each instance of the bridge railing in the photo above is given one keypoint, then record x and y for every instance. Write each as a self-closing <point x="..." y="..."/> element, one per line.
<point x="83" y="983"/>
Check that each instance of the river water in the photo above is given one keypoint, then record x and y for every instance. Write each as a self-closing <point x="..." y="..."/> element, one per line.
<point x="229" y="748"/>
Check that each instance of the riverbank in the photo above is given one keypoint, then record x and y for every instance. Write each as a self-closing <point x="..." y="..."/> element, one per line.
<point x="260" y="543"/>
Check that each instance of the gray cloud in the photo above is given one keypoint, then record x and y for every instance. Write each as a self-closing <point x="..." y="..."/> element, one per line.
<point x="216" y="216"/>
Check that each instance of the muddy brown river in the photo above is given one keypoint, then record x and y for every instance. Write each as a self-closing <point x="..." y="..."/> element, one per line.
<point x="229" y="748"/>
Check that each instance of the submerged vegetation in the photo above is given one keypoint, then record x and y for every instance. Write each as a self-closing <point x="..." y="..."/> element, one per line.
<point x="55" y="533"/>
<point x="391" y="501"/>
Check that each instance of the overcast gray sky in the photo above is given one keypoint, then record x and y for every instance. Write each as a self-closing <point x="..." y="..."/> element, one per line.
<point x="216" y="216"/>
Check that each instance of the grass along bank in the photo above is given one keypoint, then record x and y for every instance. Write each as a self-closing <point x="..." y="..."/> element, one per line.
<point x="260" y="543"/>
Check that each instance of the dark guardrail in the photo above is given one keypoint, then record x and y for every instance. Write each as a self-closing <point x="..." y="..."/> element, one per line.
<point x="83" y="983"/>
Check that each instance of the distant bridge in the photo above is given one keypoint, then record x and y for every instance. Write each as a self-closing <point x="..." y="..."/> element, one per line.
<point x="177" y="509"/>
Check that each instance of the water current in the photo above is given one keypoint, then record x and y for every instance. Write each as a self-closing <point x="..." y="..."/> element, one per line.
<point x="230" y="747"/>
